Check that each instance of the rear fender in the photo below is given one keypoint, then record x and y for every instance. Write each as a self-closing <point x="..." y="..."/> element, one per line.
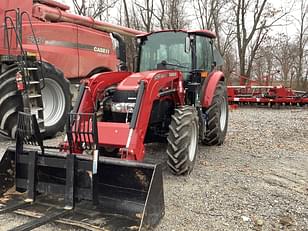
<point x="209" y="87"/>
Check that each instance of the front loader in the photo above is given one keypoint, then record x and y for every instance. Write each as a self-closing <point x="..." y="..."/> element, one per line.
<point x="176" y="96"/>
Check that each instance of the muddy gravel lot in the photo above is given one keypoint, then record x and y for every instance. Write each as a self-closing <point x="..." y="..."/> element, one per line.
<point x="257" y="180"/>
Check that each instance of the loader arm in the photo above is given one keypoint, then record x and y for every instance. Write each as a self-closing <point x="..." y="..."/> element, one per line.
<point x="158" y="85"/>
<point x="94" y="86"/>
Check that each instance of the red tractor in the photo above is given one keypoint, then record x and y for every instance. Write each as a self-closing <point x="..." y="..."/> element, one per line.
<point x="67" y="45"/>
<point x="176" y="96"/>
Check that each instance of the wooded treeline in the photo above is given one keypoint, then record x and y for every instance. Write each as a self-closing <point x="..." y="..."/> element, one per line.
<point x="252" y="35"/>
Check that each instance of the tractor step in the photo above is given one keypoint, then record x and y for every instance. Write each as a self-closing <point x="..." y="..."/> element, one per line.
<point x="31" y="68"/>
<point x="32" y="95"/>
<point x="35" y="96"/>
<point x="34" y="82"/>
<point x="34" y="109"/>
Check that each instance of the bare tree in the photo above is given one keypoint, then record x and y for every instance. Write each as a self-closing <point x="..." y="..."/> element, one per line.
<point x="249" y="38"/>
<point x="176" y="14"/>
<point x="126" y="13"/>
<point x="284" y="55"/>
<point x="206" y="12"/>
<point x="215" y="15"/>
<point x="302" y="41"/>
<point x="161" y="14"/>
<point x="94" y="8"/>
<point x="146" y="13"/>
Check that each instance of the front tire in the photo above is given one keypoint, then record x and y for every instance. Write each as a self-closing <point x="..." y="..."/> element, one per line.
<point x="183" y="140"/>
<point x="216" y="117"/>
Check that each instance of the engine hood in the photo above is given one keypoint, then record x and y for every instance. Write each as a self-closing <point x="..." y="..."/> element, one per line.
<point x="132" y="81"/>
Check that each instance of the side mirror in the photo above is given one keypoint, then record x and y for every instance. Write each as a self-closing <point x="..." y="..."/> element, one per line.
<point x="214" y="64"/>
<point x="187" y="44"/>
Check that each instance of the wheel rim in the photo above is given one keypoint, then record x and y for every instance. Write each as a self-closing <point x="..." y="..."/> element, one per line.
<point x="193" y="142"/>
<point x="54" y="102"/>
<point x="223" y="114"/>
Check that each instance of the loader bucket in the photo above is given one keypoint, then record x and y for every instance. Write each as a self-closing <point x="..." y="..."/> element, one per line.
<point x="111" y="193"/>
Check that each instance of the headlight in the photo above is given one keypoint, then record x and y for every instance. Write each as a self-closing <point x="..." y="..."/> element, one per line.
<point x="123" y="107"/>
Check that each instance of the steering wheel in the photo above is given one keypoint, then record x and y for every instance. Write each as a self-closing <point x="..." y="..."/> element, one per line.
<point x="175" y="60"/>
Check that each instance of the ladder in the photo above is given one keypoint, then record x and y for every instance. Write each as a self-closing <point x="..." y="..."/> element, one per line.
<point x="30" y="72"/>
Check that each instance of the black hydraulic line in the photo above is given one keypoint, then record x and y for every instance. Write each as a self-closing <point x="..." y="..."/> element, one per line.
<point x="137" y="105"/>
<point x="167" y="92"/>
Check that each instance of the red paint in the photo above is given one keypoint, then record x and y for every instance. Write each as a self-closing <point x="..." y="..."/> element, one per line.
<point x="99" y="82"/>
<point x="155" y="81"/>
<point x="205" y="33"/>
<point x="116" y="134"/>
<point x="74" y="44"/>
<point x="96" y="85"/>
<point x="209" y="88"/>
<point x="251" y="91"/>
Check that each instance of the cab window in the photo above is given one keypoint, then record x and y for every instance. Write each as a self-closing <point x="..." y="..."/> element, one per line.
<point x="204" y="53"/>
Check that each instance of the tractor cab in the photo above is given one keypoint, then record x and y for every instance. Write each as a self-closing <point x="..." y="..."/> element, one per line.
<point x="191" y="52"/>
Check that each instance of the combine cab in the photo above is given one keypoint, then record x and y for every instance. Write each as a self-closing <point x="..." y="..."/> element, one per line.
<point x="176" y="96"/>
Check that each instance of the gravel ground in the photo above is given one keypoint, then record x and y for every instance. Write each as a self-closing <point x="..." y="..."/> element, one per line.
<point x="257" y="180"/>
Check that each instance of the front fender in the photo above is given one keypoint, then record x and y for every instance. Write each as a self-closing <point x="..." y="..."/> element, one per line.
<point x="209" y="87"/>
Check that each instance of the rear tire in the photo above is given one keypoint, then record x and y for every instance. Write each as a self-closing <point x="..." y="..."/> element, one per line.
<point x="10" y="102"/>
<point x="56" y="99"/>
<point x="217" y="117"/>
<point x="183" y="140"/>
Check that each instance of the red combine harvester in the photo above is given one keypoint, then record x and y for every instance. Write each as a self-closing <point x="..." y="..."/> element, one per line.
<point x="65" y="45"/>
<point x="250" y="92"/>
<point x="176" y="96"/>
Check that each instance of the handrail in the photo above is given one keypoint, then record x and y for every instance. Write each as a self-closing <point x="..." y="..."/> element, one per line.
<point x="18" y="33"/>
<point x="36" y="44"/>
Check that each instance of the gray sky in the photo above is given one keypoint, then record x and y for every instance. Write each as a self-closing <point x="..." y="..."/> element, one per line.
<point x="287" y="25"/>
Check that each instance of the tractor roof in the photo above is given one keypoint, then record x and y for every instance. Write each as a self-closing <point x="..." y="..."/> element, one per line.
<point x="205" y="33"/>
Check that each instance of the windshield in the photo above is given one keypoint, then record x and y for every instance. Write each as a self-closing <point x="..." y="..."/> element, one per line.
<point x="165" y="50"/>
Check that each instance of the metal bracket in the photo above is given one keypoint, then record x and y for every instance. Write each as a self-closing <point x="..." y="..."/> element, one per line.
<point x="70" y="182"/>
